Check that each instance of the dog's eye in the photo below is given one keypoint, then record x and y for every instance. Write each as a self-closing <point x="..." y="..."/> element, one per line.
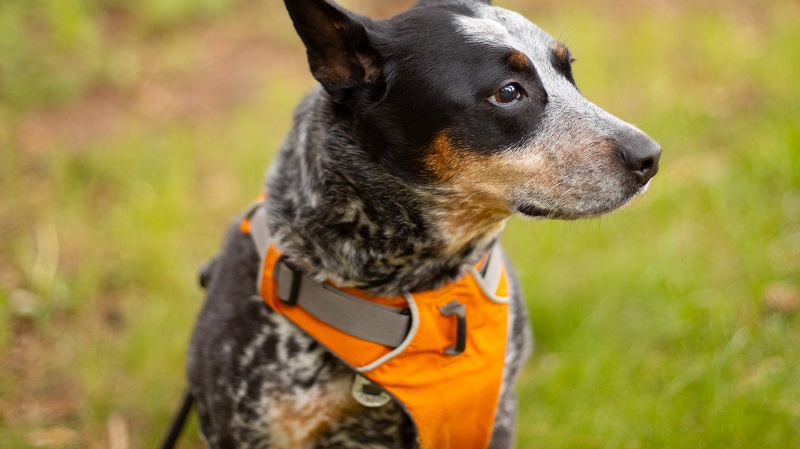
<point x="507" y="94"/>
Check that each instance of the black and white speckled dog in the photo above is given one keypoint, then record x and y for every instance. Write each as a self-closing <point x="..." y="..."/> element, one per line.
<point x="429" y="130"/>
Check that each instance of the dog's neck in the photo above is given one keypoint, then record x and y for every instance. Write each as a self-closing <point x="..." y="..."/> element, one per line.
<point x="341" y="217"/>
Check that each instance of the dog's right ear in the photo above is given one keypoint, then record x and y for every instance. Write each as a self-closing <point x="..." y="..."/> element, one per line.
<point x="338" y="47"/>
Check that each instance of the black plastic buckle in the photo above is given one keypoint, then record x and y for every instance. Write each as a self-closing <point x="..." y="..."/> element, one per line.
<point x="294" y="291"/>
<point x="460" y="311"/>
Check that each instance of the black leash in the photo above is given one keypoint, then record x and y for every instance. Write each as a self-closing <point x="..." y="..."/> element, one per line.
<point x="178" y="422"/>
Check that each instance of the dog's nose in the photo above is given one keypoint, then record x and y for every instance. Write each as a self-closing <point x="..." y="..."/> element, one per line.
<point x="640" y="155"/>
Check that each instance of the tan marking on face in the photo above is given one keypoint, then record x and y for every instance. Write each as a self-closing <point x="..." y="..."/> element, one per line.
<point x="561" y="52"/>
<point x="481" y="178"/>
<point x="474" y="200"/>
<point x="441" y="158"/>
<point x="518" y="61"/>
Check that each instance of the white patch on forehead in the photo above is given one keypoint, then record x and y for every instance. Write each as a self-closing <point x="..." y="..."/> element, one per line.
<point x="485" y="31"/>
<point x="499" y="27"/>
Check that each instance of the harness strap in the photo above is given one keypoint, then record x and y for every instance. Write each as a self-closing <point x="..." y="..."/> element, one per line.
<point x="492" y="275"/>
<point x="358" y="317"/>
<point x="363" y="319"/>
<point x="178" y="422"/>
<point x="258" y="228"/>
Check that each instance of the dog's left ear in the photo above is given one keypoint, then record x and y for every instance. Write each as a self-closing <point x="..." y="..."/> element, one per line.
<point x="338" y="47"/>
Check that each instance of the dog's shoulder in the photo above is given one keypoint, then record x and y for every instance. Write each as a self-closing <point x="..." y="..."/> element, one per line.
<point x="228" y="307"/>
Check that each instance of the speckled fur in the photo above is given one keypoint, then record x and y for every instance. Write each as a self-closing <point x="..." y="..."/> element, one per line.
<point x="326" y="207"/>
<point x="344" y="211"/>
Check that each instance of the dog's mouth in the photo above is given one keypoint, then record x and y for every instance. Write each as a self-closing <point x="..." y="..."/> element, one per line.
<point x="535" y="211"/>
<point x="587" y="208"/>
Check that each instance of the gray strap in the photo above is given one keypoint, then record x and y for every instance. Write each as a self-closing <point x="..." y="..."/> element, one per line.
<point x="355" y="316"/>
<point x="259" y="231"/>
<point x="493" y="269"/>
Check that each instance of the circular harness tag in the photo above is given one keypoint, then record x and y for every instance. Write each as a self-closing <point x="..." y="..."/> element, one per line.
<point x="369" y="394"/>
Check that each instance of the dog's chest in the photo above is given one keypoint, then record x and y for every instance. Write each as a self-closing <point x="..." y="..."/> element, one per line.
<point x="303" y="391"/>
<point x="297" y="421"/>
<point x="296" y="418"/>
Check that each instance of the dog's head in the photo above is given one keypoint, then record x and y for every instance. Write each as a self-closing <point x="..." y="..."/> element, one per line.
<point x="478" y="106"/>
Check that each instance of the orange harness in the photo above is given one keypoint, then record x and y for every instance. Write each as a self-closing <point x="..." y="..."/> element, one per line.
<point x="446" y="372"/>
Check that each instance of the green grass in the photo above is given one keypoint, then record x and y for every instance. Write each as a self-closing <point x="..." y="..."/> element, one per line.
<point x="651" y="324"/>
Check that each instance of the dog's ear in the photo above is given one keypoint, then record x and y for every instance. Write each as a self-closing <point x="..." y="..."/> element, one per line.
<point x="338" y="47"/>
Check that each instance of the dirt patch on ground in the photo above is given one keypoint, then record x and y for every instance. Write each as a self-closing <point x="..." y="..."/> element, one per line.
<point x="228" y="61"/>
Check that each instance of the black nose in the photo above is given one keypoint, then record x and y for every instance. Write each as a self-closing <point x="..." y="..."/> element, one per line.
<point x="640" y="154"/>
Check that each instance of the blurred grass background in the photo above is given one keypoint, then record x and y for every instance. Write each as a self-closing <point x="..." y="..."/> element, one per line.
<point x="131" y="133"/>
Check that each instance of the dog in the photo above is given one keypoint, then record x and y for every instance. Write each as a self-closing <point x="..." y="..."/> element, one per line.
<point x="426" y="133"/>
